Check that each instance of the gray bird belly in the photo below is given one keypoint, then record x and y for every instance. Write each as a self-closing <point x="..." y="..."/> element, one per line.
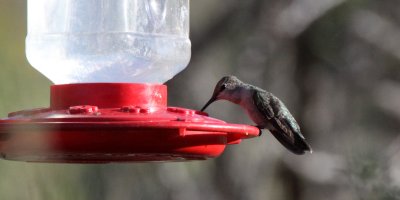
<point x="258" y="118"/>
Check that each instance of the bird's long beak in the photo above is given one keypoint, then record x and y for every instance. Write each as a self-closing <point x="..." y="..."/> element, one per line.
<point x="208" y="103"/>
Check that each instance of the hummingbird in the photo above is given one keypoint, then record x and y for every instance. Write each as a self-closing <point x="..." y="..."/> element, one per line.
<point x="265" y="109"/>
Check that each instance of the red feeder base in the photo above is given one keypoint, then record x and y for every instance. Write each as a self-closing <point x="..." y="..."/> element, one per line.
<point x="114" y="122"/>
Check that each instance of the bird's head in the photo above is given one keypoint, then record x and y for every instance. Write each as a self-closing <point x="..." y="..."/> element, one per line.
<point x="223" y="90"/>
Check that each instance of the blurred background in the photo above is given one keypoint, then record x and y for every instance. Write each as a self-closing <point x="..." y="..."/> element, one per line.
<point x="335" y="63"/>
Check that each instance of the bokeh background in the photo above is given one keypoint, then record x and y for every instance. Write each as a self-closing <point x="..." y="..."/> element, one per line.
<point x="335" y="63"/>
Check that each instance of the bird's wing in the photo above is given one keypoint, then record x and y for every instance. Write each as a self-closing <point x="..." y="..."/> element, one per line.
<point x="286" y="129"/>
<point x="267" y="104"/>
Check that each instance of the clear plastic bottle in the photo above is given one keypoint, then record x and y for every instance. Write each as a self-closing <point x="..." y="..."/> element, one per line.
<point x="81" y="41"/>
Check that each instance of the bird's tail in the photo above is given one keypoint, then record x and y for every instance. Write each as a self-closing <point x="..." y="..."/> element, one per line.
<point x="298" y="145"/>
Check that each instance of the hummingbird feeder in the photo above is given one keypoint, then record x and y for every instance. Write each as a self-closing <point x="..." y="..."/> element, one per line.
<point x="109" y="60"/>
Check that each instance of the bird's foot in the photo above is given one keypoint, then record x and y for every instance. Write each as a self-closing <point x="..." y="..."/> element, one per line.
<point x="259" y="131"/>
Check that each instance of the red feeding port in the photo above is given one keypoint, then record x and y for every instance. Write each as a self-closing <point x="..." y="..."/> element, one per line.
<point x="114" y="122"/>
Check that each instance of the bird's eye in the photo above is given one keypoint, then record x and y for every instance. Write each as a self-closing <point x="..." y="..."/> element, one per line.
<point x="223" y="87"/>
